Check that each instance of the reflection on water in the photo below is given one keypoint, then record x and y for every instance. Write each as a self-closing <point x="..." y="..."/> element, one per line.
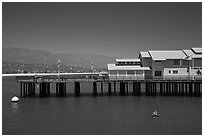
<point x="15" y="107"/>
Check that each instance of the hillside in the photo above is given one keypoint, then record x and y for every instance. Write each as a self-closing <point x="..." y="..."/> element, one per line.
<point x="23" y="55"/>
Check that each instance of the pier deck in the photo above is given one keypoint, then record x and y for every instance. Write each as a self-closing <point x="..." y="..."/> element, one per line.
<point x="149" y="87"/>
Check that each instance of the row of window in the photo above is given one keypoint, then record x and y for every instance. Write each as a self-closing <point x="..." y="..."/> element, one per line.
<point x="128" y="63"/>
<point x="179" y="62"/>
<point x="124" y="72"/>
<point x="174" y="71"/>
<point x="159" y="73"/>
<point x="176" y="62"/>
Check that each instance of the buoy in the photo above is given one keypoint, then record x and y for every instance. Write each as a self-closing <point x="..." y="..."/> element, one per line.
<point x="15" y="99"/>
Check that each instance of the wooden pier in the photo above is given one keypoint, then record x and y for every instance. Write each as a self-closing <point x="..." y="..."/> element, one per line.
<point x="135" y="88"/>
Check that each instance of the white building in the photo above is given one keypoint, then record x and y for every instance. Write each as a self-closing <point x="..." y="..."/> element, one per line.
<point x="173" y="64"/>
<point x="194" y="56"/>
<point x="127" y="69"/>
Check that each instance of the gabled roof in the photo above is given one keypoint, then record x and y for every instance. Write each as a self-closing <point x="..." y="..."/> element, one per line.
<point x="144" y="54"/>
<point x="191" y="54"/>
<point x="188" y="52"/>
<point x="197" y="50"/>
<point x="135" y="67"/>
<point x="127" y="60"/>
<point x="167" y="54"/>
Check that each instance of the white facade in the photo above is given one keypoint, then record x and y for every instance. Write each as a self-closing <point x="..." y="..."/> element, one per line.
<point x="135" y="75"/>
<point x="176" y="73"/>
<point x="126" y="72"/>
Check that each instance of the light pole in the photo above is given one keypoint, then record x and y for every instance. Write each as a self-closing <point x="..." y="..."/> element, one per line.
<point x="92" y="70"/>
<point x="58" y="66"/>
<point x="193" y="68"/>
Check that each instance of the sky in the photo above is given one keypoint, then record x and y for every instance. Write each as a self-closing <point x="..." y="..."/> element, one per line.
<point x="112" y="29"/>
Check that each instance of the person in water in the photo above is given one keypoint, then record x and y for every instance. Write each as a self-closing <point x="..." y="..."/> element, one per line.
<point x="155" y="112"/>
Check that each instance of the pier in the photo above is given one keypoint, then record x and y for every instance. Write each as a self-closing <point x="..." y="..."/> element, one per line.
<point x="31" y="85"/>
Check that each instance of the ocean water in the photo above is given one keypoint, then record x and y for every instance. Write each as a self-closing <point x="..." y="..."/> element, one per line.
<point x="101" y="115"/>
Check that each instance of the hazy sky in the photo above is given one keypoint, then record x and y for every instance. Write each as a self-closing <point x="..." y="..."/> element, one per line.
<point x="111" y="29"/>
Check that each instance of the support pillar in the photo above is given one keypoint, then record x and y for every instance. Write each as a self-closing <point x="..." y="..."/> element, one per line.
<point x="102" y="88"/>
<point x="57" y="89"/>
<point x="147" y="88"/>
<point x="77" y="88"/>
<point x="182" y="87"/>
<point x="161" y="88"/>
<point x="126" y="87"/>
<point x="134" y="88"/>
<point x="94" y="88"/>
<point x="195" y="89"/>
<point x="21" y="92"/>
<point x="122" y="88"/>
<point x="114" y="87"/>
<point x="167" y="88"/>
<point x="190" y="88"/>
<point x="109" y="88"/>
<point x="138" y="88"/>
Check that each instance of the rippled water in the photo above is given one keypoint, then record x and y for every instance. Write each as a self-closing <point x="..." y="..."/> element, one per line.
<point x="98" y="115"/>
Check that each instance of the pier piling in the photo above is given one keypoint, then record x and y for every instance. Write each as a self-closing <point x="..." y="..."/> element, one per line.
<point x="94" y="89"/>
<point x="31" y="89"/>
<point x="109" y="89"/>
<point x="122" y="88"/>
<point x="101" y="88"/>
<point x="151" y="87"/>
<point x="126" y="87"/>
<point x="77" y="89"/>
<point x="44" y="89"/>
<point x="114" y="87"/>
<point x="138" y="88"/>
<point x="161" y="88"/>
<point x="60" y="89"/>
<point x="21" y="94"/>
<point x="147" y="88"/>
<point x="190" y="89"/>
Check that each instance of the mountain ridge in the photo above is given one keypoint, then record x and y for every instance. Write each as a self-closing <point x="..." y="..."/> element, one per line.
<point x="24" y="55"/>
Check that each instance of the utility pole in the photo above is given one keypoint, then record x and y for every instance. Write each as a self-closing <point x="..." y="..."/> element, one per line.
<point x="58" y="66"/>
<point x="193" y="68"/>
<point x="92" y="69"/>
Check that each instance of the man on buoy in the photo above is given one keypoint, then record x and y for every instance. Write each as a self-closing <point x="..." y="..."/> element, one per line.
<point x="15" y="99"/>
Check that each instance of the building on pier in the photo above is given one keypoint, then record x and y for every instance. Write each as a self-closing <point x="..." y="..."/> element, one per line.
<point x="168" y="64"/>
<point x="195" y="62"/>
<point x="173" y="64"/>
<point x="159" y="64"/>
<point x="127" y="69"/>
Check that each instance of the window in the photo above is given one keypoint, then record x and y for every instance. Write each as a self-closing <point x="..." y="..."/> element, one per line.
<point x="176" y="62"/>
<point x="158" y="61"/>
<point x="157" y="73"/>
<point x="139" y="72"/>
<point x="130" y="72"/>
<point x="113" y="72"/>
<point x="123" y="72"/>
<point x="184" y="62"/>
<point x="169" y="71"/>
<point x="175" y="71"/>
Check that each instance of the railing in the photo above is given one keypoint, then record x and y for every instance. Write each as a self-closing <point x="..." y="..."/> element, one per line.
<point x="116" y="77"/>
<point x="111" y="77"/>
<point x="166" y="77"/>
